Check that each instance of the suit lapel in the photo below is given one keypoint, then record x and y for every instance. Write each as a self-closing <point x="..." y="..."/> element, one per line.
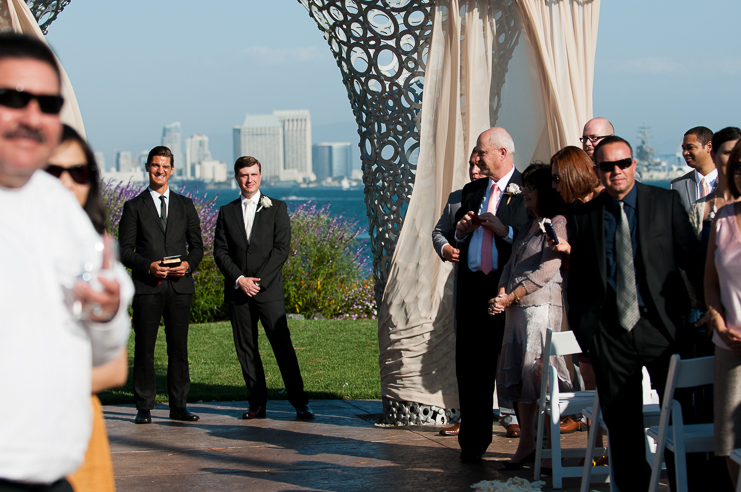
<point x="174" y="212"/>
<point x="238" y="218"/>
<point x="597" y="225"/>
<point x="644" y="213"/>
<point x="149" y="204"/>
<point x="691" y="189"/>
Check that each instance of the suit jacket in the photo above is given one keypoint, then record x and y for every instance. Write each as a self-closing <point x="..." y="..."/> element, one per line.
<point x="143" y="239"/>
<point x="263" y="257"/>
<point x="511" y="212"/>
<point x="666" y="242"/>
<point x="687" y="188"/>
<point x="444" y="231"/>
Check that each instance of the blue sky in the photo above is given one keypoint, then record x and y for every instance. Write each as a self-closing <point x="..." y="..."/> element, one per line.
<point x="138" y="65"/>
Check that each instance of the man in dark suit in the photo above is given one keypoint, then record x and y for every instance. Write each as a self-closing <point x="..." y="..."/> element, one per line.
<point x="156" y="224"/>
<point x="627" y="297"/>
<point x="491" y="212"/>
<point x="253" y="234"/>
<point x="696" y="149"/>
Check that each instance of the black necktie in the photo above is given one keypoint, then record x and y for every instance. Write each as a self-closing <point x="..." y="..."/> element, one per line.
<point x="163" y="211"/>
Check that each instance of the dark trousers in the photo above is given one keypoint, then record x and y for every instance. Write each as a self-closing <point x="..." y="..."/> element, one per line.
<point x="58" y="486"/>
<point x="148" y="310"/>
<point x="618" y="357"/>
<point x="244" y="318"/>
<point x="478" y="343"/>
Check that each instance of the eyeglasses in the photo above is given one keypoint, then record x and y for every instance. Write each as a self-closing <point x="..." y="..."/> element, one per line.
<point x="592" y="138"/>
<point x="556" y="178"/>
<point x="80" y="174"/>
<point x="607" y="166"/>
<point x="16" y="99"/>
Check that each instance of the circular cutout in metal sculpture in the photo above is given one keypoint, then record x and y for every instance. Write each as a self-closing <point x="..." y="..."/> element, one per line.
<point x="46" y="11"/>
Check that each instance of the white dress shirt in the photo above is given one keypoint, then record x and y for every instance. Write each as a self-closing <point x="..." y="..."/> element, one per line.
<point x="46" y="355"/>
<point x="474" y="247"/>
<point x="710" y="179"/>
<point x="158" y="203"/>
<point x="249" y="221"/>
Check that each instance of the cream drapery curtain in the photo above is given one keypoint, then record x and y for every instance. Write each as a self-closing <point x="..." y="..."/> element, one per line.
<point x="483" y="70"/>
<point x="20" y="19"/>
<point x="564" y="36"/>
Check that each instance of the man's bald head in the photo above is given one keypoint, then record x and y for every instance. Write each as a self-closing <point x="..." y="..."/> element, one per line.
<point x="594" y="131"/>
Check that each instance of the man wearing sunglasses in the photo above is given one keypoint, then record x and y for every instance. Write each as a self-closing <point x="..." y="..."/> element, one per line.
<point x="53" y="323"/>
<point x="594" y="131"/>
<point x="626" y="295"/>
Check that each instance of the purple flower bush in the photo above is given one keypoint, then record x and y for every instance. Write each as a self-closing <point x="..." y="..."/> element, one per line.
<point x="327" y="271"/>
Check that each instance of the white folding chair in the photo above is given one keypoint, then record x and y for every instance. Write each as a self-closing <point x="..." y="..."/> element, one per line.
<point x="555" y="404"/>
<point x="651" y="414"/>
<point x="736" y="456"/>
<point x="680" y="438"/>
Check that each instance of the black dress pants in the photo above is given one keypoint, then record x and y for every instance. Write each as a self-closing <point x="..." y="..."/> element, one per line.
<point x="59" y="486"/>
<point x="272" y="314"/>
<point x="618" y="357"/>
<point x="477" y="348"/>
<point x="148" y="310"/>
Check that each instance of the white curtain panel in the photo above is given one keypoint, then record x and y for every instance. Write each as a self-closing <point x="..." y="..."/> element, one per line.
<point x="20" y="19"/>
<point x="486" y="67"/>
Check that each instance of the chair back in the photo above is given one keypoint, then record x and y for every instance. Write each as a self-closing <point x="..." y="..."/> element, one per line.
<point x="561" y="343"/>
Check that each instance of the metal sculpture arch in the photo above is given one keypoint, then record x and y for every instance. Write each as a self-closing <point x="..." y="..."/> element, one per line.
<point x="381" y="49"/>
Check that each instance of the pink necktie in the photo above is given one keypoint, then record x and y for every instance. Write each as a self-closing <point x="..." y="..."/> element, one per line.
<point x="488" y="237"/>
<point x="704" y="186"/>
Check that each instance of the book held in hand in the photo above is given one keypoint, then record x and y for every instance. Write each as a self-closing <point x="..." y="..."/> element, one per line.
<point x="171" y="261"/>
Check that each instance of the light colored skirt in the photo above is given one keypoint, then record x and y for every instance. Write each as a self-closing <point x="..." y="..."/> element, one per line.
<point x="520" y="363"/>
<point x="727" y="394"/>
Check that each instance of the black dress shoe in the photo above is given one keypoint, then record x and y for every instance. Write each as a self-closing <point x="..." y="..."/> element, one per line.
<point x="183" y="414"/>
<point x="303" y="412"/>
<point x="468" y="457"/>
<point x="257" y="412"/>
<point x="143" y="417"/>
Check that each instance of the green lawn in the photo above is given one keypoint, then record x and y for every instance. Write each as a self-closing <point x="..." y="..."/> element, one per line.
<point x="338" y="359"/>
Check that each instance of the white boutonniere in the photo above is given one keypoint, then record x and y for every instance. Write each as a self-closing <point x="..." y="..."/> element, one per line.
<point x="265" y="202"/>
<point x="513" y="189"/>
<point x="541" y="223"/>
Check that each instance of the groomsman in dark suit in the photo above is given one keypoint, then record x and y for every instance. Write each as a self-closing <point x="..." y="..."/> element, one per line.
<point x="626" y="296"/>
<point x="491" y="212"/>
<point x="156" y="224"/>
<point x="253" y="234"/>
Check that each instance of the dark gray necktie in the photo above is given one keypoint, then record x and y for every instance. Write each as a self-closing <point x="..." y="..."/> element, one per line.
<point x="163" y="211"/>
<point x="627" y="297"/>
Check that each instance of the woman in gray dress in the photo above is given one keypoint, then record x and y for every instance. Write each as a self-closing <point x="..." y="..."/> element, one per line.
<point x="530" y="293"/>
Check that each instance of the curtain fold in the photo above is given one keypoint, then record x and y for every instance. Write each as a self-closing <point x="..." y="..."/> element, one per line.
<point x="525" y="65"/>
<point x="21" y="20"/>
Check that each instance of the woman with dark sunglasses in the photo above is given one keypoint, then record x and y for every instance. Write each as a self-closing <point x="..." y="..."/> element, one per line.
<point x="74" y="164"/>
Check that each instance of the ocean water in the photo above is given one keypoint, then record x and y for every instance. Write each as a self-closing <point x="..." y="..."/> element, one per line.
<point x="350" y="202"/>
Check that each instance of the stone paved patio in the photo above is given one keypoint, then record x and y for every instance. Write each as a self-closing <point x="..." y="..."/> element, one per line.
<point x="342" y="450"/>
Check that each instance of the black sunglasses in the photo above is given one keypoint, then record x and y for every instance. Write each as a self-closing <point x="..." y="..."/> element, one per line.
<point x="606" y="166"/>
<point x="15" y="99"/>
<point x="80" y="174"/>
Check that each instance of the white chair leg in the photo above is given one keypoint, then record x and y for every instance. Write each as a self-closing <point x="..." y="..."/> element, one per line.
<point x="586" y="477"/>
<point x="556" y="449"/>
<point x="539" y="442"/>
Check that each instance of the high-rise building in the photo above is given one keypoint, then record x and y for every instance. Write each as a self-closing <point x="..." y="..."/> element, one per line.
<point x="261" y="136"/>
<point x="171" y="140"/>
<point x="321" y="161"/>
<point x="141" y="159"/>
<point x="296" y="144"/>
<point x="124" y="162"/>
<point x="213" y="170"/>
<point x="196" y="151"/>
<point x="332" y="160"/>
<point x="100" y="160"/>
